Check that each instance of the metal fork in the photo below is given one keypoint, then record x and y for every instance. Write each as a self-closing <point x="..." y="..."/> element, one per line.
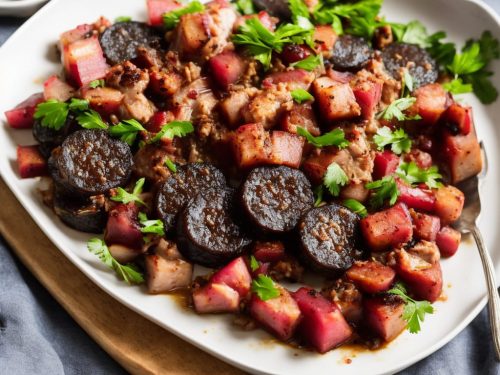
<point x="467" y="224"/>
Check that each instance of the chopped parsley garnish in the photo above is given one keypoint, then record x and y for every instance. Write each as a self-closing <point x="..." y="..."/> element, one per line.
<point x="127" y="273"/>
<point x="171" y="165"/>
<point x="334" y="138"/>
<point x="396" y="108"/>
<point x="172" y="18"/>
<point x="334" y="178"/>
<point x="318" y="194"/>
<point x="457" y="86"/>
<point x="265" y="288"/>
<point x="298" y="9"/>
<point x="123" y="19"/>
<point x="261" y="42"/>
<point x="245" y="6"/>
<point x="53" y="113"/>
<point x="127" y="130"/>
<point x="97" y="83"/>
<point x="301" y="95"/>
<point x="355" y="206"/>
<point x="398" y="139"/>
<point x="408" y="84"/>
<point x="254" y="263"/>
<point x="360" y="16"/>
<point x="125" y="197"/>
<point x="309" y="63"/>
<point x="91" y="120"/>
<point x="467" y="62"/>
<point x="384" y="190"/>
<point x="173" y="129"/>
<point x="412" y="174"/>
<point x="151" y="226"/>
<point x="414" y="311"/>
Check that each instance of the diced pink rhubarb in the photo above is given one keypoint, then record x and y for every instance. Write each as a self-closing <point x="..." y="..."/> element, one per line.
<point x="449" y="203"/>
<point x="384" y="316"/>
<point x="84" y="61"/>
<point x="385" y="164"/>
<point x="234" y="275"/>
<point x="286" y="149"/>
<point x="123" y="227"/>
<point x="324" y="38"/>
<point x="424" y="280"/>
<point x="371" y="276"/>
<point x="105" y="100"/>
<point x="458" y="119"/>
<point x="415" y="197"/>
<point x="322" y="325"/>
<point x="227" y="67"/>
<point x="30" y="162"/>
<point x="432" y="101"/>
<point x="368" y="95"/>
<point x="425" y="227"/>
<point x="448" y="241"/>
<point x="78" y="33"/>
<point x="280" y="315"/>
<point x="297" y="78"/>
<point x="335" y="101"/>
<point x="388" y="228"/>
<point x="216" y="298"/>
<point x="21" y="117"/>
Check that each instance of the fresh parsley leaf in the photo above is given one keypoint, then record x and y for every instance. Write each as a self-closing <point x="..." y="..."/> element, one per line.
<point x="126" y="130"/>
<point x="261" y="42"/>
<point x="361" y="16"/>
<point x="298" y="9"/>
<point x="171" y="165"/>
<point x="470" y="61"/>
<point x="414" y="311"/>
<point x="396" y="108"/>
<point x="334" y="178"/>
<point x="355" y="206"/>
<point x="408" y="84"/>
<point x="483" y="87"/>
<point x="318" y="193"/>
<point x="151" y="226"/>
<point x="309" y="63"/>
<point x="415" y="33"/>
<point x="265" y="288"/>
<point x="97" y="83"/>
<point x="171" y="19"/>
<point x="91" y="120"/>
<point x="254" y="264"/>
<point x="442" y="52"/>
<point x="301" y="95"/>
<point x="173" y="129"/>
<point x="384" y="190"/>
<point x="123" y="19"/>
<point x="125" y="197"/>
<point x="457" y="86"/>
<point x="52" y="113"/>
<point x="398" y="139"/>
<point x="76" y="105"/>
<point x="127" y="273"/>
<point x="489" y="47"/>
<point x="334" y="138"/>
<point x="412" y="174"/>
<point x="245" y="7"/>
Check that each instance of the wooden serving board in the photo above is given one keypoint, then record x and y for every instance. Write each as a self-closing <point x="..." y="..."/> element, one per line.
<point x="139" y="345"/>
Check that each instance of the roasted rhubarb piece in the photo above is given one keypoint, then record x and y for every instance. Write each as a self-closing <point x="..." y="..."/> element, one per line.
<point x="449" y="203"/>
<point x="384" y="316"/>
<point x="216" y="298"/>
<point x="387" y="228"/>
<point x="385" y="164"/>
<point x="157" y="8"/>
<point x="371" y="276"/>
<point x="279" y="315"/>
<point x="55" y="88"/>
<point x="322" y="325"/>
<point x="432" y="102"/>
<point x="227" y="67"/>
<point x="123" y="227"/>
<point x="448" y="241"/>
<point x="234" y="275"/>
<point x="425" y="227"/>
<point x="336" y="101"/>
<point x="30" y="162"/>
<point x="21" y="117"/>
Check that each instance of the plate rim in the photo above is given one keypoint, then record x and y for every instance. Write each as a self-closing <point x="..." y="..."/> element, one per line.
<point x="23" y="200"/>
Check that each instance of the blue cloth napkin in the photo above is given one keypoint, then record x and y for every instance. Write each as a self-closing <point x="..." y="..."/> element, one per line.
<point x="38" y="337"/>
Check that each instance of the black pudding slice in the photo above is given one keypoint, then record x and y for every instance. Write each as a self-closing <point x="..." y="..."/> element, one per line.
<point x="184" y="185"/>
<point x="274" y="198"/>
<point x="351" y="53"/>
<point x="420" y="64"/>
<point x="90" y="162"/>
<point x="328" y="239"/>
<point x="121" y="40"/>
<point x="206" y="232"/>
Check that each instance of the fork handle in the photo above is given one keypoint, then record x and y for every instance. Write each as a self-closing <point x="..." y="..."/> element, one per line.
<point x="493" y="299"/>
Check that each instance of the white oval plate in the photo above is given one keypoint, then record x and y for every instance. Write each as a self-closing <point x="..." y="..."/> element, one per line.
<point x="24" y="64"/>
<point x="20" y="8"/>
